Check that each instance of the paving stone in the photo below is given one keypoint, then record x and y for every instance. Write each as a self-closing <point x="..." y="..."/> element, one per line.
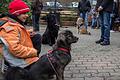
<point x="81" y="75"/>
<point x="100" y="74"/>
<point x="75" y="79"/>
<point x="94" y="78"/>
<point x="113" y="78"/>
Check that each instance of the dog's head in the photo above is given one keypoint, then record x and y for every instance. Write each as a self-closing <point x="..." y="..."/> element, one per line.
<point x="80" y="21"/>
<point x="65" y="39"/>
<point x="51" y="18"/>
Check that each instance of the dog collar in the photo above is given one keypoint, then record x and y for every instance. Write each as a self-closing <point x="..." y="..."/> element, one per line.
<point x="62" y="49"/>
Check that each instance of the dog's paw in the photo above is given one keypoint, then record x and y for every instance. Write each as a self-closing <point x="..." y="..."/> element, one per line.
<point x="89" y="33"/>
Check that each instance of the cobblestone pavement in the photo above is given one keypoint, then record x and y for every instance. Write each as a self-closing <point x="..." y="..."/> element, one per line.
<point x="92" y="61"/>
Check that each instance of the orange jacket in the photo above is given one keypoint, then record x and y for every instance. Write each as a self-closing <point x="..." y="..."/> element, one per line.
<point x="18" y="39"/>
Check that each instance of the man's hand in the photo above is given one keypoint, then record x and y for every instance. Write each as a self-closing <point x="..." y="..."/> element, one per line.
<point x="100" y="9"/>
<point x="32" y="34"/>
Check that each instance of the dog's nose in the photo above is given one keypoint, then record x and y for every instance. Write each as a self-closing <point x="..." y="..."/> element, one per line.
<point x="77" y="38"/>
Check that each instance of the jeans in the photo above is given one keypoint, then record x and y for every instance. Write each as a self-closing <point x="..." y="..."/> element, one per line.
<point x="84" y="15"/>
<point x="35" y="21"/>
<point x="112" y="18"/>
<point x="105" y="25"/>
<point x="94" y="22"/>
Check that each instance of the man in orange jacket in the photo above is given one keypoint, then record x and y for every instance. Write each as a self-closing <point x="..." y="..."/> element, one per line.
<point x="23" y="49"/>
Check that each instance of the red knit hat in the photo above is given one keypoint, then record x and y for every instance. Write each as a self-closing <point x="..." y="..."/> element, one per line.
<point x="17" y="7"/>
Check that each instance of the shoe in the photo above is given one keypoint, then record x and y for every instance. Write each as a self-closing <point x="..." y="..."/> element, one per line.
<point x="50" y="76"/>
<point x="112" y="31"/>
<point x="50" y="44"/>
<point x="104" y="43"/>
<point x="99" y="41"/>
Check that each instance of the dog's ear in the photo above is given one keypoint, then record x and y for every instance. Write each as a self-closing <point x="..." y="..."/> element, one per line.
<point x="61" y="39"/>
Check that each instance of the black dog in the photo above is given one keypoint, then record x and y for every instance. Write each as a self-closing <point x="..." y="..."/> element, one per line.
<point x="56" y="60"/>
<point x="51" y="32"/>
<point x="17" y="73"/>
<point x="52" y="63"/>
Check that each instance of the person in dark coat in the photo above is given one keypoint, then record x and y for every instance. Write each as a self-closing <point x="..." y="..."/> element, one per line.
<point x="113" y="15"/>
<point x="36" y="6"/>
<point x="84" y="7"/>
<point x="104" y="7"/>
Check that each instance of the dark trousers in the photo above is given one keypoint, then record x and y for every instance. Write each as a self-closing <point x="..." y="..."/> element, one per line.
<point x="105" y="25"/>
<point x="36" y="40"/>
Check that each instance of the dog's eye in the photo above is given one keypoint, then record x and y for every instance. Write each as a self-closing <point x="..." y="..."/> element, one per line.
<point x="69" y="36"/>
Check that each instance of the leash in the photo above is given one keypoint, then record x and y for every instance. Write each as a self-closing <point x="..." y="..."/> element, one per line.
<point x="49" y="52"/>
<point x="53" y="67"/>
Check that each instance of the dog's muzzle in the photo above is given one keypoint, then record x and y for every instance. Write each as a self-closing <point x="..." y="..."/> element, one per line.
<point x="75" y="39"/>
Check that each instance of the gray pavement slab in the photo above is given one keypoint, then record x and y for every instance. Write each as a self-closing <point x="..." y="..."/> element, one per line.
<point x="92" y="61"/>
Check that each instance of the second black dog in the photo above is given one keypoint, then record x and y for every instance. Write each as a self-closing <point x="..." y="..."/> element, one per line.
<point x="51" y="32"/>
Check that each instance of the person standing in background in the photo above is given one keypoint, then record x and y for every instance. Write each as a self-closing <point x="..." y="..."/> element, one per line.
<point x="104" y="7"/>
<point x="36" y="6"/>
<point x="84" y="7"/>
<point x="113" y="15"/>
<point x="94" y="18"/>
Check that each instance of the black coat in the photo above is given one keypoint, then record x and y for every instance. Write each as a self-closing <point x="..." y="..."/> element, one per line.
<point x="106" y="4"/>
<point x="84" y="6"/>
